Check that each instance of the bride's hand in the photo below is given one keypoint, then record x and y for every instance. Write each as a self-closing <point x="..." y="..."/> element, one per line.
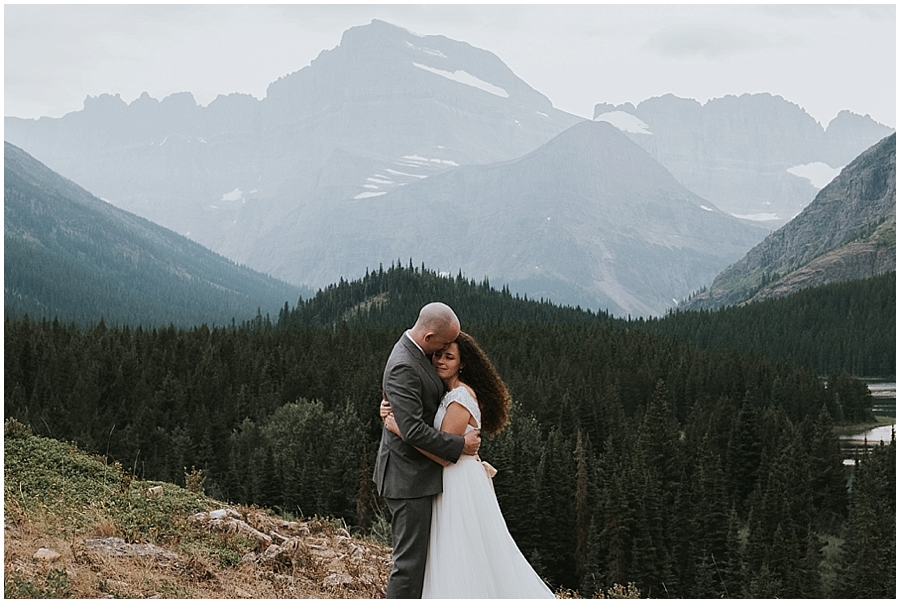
<point x="391" y="424"/>
<point x="385" y="408"/>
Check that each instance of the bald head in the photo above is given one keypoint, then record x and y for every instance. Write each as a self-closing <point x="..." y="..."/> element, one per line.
<point x="436" y="326"/>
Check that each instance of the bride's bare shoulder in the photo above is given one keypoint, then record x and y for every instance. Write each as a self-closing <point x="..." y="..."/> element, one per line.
<point x="471" y="391"/>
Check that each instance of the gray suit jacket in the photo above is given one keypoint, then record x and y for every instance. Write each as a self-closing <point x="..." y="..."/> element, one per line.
<point x="414" y="390"/>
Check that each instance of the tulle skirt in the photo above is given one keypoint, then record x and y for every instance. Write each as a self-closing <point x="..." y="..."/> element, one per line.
<point x="471" y="554"/>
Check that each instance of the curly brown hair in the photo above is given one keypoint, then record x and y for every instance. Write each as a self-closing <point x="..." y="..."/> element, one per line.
<point x="479" y="374"/>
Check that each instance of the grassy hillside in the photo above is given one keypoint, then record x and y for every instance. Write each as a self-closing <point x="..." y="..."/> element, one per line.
<point x="61" y="499"/>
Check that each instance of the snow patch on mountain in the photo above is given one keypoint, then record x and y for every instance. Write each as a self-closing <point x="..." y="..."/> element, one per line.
<point x="431" y="51"/>
<point x="757" y="217"/>
<point x="818" y="173"/>
<point x="422" y="160"/>
<point x="625" y="122"/>
<point x="366" y="195"/>
<point x="233" y="195"/>
<point x="396" y="173"/>
<point x="464" y="77"/>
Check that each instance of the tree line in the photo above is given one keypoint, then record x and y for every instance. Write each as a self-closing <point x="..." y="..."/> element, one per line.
<point x="629" y="457"/>
<point x="848" y="326"/>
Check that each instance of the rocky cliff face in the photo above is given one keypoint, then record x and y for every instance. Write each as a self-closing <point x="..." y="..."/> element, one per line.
<point x="848" y="232"/>
<point x="744" y="153"/>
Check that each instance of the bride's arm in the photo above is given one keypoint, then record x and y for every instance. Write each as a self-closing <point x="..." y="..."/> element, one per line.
<point x="455" y="421"/>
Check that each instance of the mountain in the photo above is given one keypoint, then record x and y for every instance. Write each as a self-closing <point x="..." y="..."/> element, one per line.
<point x="848" y="232"/>
<point x="757" y="156"/>
<point x="275" y="184"/>
<point x="588" y="218"/>
<point x="226" y="173"/>
<point x="70" y="255"/>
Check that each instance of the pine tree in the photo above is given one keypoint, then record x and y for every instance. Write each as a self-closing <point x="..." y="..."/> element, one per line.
<point x="712" y="525"/>
<point x="516" y="453"/>
<point x="556" y="509"/>
<point x="868" y="568"/>
<point x="657" y="467"/>
<point x="828" y="477"/>
<point x="582" y="509"/>
<point x="615" y="540"/>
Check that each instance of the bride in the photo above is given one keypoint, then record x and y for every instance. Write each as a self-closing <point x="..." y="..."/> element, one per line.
<point x="471" y="553"/>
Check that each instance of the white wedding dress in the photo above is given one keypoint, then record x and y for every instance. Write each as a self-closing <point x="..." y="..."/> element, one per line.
<point x="471" y="554"/>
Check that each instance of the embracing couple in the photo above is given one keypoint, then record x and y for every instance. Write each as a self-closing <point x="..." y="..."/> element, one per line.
<point x="450" y="539"/>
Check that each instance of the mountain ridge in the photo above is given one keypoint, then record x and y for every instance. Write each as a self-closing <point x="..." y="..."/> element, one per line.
<point x="745" y="153"/>
<point x="847" y="232"/>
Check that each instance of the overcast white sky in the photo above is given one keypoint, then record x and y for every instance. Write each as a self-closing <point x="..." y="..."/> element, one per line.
<point x="825" y="58"/>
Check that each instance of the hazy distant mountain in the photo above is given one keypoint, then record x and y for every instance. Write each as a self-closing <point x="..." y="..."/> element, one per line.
<point x="848" y="232"/>
<point x="240" y="164"/>
<point x="755" y="155"/>
<point x="69" y="255"/>
<point x="588" y="218"/>
<point x="335" y="168"/>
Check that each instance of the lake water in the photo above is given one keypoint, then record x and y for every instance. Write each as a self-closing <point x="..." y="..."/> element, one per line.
<point x="884" y="403"/>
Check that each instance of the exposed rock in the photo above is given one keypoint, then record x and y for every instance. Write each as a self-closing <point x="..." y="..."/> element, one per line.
<point x="230" y="521"/>
<point x="117" y="547"/>
<point x="313" y="546"/>
<point x="337" y="579"/>
<point x="43" y="554"/>
<point x="860" y="259"/>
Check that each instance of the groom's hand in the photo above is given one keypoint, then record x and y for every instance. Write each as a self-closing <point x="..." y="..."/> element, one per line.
<point x="473" y="442"/>
<point x="385" y="409"/>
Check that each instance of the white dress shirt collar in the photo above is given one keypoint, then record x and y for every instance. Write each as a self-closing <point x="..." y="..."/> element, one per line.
<point x="414" y="342"/>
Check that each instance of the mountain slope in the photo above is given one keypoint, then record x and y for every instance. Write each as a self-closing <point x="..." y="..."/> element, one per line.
<point x="848" y="232"/>
<point x="588" y="218"/>
<point x="70" y="255"/>
<point x="754" y="155"/>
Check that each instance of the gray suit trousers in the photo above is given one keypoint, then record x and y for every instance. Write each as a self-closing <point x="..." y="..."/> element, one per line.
<point x="410" y="530"/>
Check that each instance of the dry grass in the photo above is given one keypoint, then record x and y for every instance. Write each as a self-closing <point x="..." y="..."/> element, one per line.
<point x="58" y="498"/>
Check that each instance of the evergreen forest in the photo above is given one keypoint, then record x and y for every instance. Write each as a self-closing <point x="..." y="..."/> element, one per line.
<point x="847" y="326"/>
<point x="634" y="455"/>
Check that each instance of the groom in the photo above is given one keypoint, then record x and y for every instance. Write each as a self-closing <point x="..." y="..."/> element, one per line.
<point x="406" y="478"/>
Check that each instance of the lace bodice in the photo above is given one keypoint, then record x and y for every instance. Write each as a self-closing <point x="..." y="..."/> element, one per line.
<point x="461" y="395"/>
